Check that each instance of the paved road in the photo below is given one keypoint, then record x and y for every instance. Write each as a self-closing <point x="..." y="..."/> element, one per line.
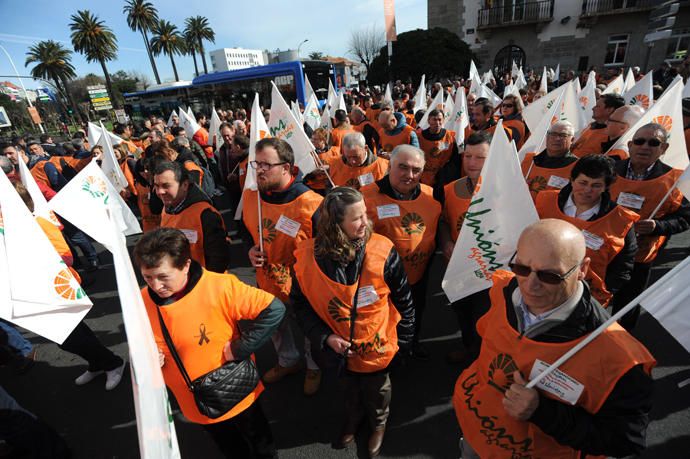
<point x="100" y="424"/>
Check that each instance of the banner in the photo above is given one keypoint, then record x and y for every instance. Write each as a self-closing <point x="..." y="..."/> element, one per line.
<point x="389" y="16"/>
<point x="500" y="210"/>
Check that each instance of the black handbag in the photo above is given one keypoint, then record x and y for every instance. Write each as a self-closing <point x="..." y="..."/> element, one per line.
<point x="219" y="390"/>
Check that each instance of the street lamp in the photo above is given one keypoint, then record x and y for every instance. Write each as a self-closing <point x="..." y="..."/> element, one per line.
<point x="40" y="125"/>
<point x="300" y="45"/>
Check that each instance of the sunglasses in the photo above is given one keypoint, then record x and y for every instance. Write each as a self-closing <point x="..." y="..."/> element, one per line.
<point x="508" y="105"/>
<point x="546" y="277"/>
<point x="651" y="142"/>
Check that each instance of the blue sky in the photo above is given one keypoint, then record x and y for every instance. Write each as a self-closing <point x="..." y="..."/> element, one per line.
<point x="252" y="24"/>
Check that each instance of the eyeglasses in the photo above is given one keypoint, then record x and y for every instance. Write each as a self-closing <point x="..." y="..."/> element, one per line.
<point x="264" y="166"/>
<point x="546" y="277"/>
<point x="651" y="142"/>
<point x="560" y="135"/>
<point x="507" y="105"/>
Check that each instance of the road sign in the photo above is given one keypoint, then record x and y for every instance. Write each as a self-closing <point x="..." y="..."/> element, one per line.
<point x="658" y="35"/>
<point x="121" y="116"/>
<point x="4" y="119"/>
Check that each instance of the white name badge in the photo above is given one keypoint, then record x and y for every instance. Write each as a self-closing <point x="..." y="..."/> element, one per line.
<point x="366" y="295"/>
<point x="191" y="235"/>
<point x="557" y="383"/>
<point x="442" y="146"/>
<point x="630" y="200"/>
<point x="287" y="226"/>
<point x="557" y="182"/>
<point x="592" y="241"/>
<point x="388" y="211"/>
<point x="366" y="179"/>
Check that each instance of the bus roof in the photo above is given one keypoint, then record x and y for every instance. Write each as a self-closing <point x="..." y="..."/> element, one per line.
<point x="260" y="71"/>
<point x="157" y="90"/>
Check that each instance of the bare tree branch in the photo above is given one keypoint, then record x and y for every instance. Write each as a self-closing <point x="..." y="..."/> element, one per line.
<point x="366" y="43"/>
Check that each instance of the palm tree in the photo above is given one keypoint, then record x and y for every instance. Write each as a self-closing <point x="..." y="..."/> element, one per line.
<point x="142" y="16"/>
<point x="53" y="62"/>
<point x="192" y="47"/>
<point x="199" y="28"/>
<point x="92" y="38"/>
<point x="167" y="40"/>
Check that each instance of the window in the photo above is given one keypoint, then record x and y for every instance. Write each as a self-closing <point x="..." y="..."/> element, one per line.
<point x="615" y="50"/>
<point x="677" y="48"/>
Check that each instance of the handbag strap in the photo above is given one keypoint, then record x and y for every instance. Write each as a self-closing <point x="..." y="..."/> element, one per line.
<point x="173" y="351"/>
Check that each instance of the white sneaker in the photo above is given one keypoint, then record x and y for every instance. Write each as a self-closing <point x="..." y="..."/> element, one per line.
<point x="87" y="377"/>
<point x="113" y="377"/>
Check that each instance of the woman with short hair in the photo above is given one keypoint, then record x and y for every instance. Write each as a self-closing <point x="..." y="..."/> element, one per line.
<point x="511" y="114"/>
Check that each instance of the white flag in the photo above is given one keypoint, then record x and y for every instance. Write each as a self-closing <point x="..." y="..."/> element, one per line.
<point x="189" y="123"/>
<point x="500" y="210"/>
<point x="420" y="96"/>
<point x="617" y="86"/>
<point x="514" y="70"/>
<point x="512" y="89"/>
<point x="686" y="89"/>
<point x="448" y="107"/>
<point x="332" y="95"/>
<point x="570" y="109"/>
<point x="537" y="140"/>
<point x="459" y="119"/>
<point x="325" y="122"/>
<point x="629" y="81"/>
<point x="340" y="105"/>
<point x="84" y="203"/>
<point x="190" y="113"/>
<point x="533" y="113"/>
<point x="258" y="131"/>
<point x="667" y="112"/>
<point x="214" y="137"/>
<point x="155" y="426"/>
<point x="294" y="106"/>
<point x="473" y="70"/>
<point x="308" y="90"/>
<point x="311" y="113"/>
<point x="111" y="168"/>
<point x="437" y="103"/>
<point x="544" y="87"/>
<point x="557" y="73"/>
<point x="683" y="183"/>
<point x="41" y="208"/>
<point x="95" y="132"/>
<point x="520" y="81"/>
<point x="387" y="96"/>
<point x="641" y="93"/>
<point x="588" y="96"/>
<point x="487" y="77"/>
<point x="170" y="118"/>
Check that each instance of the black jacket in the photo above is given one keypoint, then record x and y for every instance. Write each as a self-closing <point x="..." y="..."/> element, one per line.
<point x="618" y="429"/>
<point x="254" y="332"/>
<point x="669" y="224"/>
<point x="216" y="246"/>
<point x="618" y="271"/>
<point x="548" y="162"/>
<point x="317" y="331"/>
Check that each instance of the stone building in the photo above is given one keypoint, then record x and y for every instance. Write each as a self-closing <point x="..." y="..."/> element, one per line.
<point x="578" y="34"/>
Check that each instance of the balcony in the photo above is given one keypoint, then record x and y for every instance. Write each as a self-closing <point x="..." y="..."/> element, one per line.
<point x="517" y="13"/>
<point x="591" y="8"/>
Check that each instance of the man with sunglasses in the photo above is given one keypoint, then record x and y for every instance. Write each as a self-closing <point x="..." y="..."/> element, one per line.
<point x="618" y="124"/>
<point x="590" y="140"/>
<point x="598" y="402"/>
<point x="643" y="183"/>
<point x="288" y="215"/>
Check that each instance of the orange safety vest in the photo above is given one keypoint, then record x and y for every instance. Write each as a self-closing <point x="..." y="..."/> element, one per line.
<point x="542" y="178"/>
<point x="38" y="171"/>
<point x="357" y="177"/>
<point x="191" y="166"/>
<point x="589" y="142"/>
<point x="200" y="324"/>
<point x="411" y="225"/>
<point x="618" y="153"/>
<point x="686" y="133"/>
<point x="455" y="208"/>
<point x="129" y="176"/>
<point x="605" y="238"/>
<point x="642" y="197"/>
<point x="437" y="154"/>
<point x="58" y="241"/>
<point x="372" y="115"/>
<point x="375" y="336"/>
<point x="337" y="135"/>
<point x="480" y="389"/>
<point x="320" y="182"/>
<point x="149" y="220"/>
<point x="409" y="119"/>
<point x="74" y="163"/>
<point x="389" y="142"/>
<point x="518" y="126"/>
<point x="189" y="222"/>
<point x="242" y="172"/>
<point x="201" y="137"/>
<point x="360" y="128"/>
<point x="283" y="225"/>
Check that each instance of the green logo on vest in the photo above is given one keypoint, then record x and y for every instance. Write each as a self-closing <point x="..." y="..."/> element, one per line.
<point x="413" y="223"/>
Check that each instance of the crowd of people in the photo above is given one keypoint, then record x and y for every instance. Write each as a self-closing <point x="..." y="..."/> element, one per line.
<point x="344" y="254"/>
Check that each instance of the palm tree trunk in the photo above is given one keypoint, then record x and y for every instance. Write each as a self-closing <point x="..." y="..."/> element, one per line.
<point x="196" y="67"/>
<point x="73" y="104"/>
<point x="153" y="62"/>
<point x="203" y="55"/>
<point x="172" y="61"/>
<point x="60" y="100"/>
<point x="109" y="85"/>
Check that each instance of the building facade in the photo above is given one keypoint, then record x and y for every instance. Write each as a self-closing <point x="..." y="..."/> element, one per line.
<point x="235" y="58"/>
<point x="578" y="34"/>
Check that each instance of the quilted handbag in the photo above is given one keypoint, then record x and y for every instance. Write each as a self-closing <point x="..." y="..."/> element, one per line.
<point x="219" y="390"/>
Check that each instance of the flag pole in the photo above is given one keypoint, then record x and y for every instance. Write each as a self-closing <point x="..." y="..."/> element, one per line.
<point x="661" y="203"/>
<point x="319" y="164"/>
<point x="641" y="297"/>
<point x="261" y="228"/>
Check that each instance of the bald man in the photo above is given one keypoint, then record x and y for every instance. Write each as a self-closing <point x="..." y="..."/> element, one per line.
<point x="394" y="131"/>
<point x="618" y="124"/>
<point x="597" y="403"/>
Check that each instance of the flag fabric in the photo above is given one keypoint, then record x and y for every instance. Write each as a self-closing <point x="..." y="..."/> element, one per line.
<point x="170" y="118"/>
<point x="683" y="183"/>
<point x="190" y="113"/>
<point x="340" y="105"/>
<point x="111" y="168"/>
<point x="308" y="90"/>
<point x="188" y="123"/>
<point x="37" y="289"/>
<point x="294" y="106"/>
<point x="84" y="203"/>
<point x="686" y="89"/>
<point x="155" y="425"/>
<point x="557" y="73"/>
<point x="570" y="109"/>
<point x="514" y="70"/>
<point x="617" y="86"/>
<point x="587" y="96"/>
<point x="283" y="125"/>
<point x="437" y="103"/>
<point x="459" y="118"/>
<point x="533" y="113"/>
<point x="641" y="93"/>
<point x="311" y="113"/>
<point x="544" y="87"/>
<point x="448" y="107"/>
<point x="629" y="80"/>
<point x="473" y="70"/>
<point x="511" y="89"/>
<point x="420" y="96"/>
<point x="537" y="140"/>
<point x="577" y="85"/>
<point x="387" y="96"/>
<point x="214" y="137"/>
<point x="325" y="122"/>
<point x="332" y="95"/>
<point x="667" y="112"/>
<point x="487" y="77"/>
<point x="258" y="131"/>
<point x="500" y="210"/>
<point x="41" y="208"/>
<point x="520" y="81"/>
<point x="93" y="133"/>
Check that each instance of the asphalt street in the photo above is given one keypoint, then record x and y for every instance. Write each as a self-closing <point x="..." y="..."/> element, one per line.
<point x="100" y="424"/>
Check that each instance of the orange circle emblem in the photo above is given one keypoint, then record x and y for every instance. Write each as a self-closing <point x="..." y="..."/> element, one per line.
<point x="67" y="286"/>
